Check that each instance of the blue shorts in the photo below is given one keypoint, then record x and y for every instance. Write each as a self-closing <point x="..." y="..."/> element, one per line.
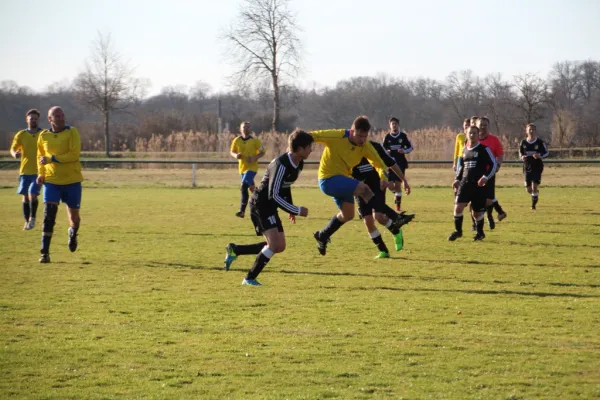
<point x="248" y="178"/>
<point x="28" y="185"/>
<point x="340" y="187"/>
<point x="68" y="194"/>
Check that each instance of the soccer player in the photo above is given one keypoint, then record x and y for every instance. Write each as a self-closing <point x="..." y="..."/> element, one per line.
<point x="376" y="208"/>
<point x="532" y="151"/>
<point x="491" y="141"/>
<point x="24" y="145"/>
<point x="247" y="150"/>
<point x="459" y="144"/>
<point x="274" y="192"/>
<point x="59" y="170"/>
<point x="397" y="144"/>
<point x="478" y="167"/>
<point x="344" y="148"/>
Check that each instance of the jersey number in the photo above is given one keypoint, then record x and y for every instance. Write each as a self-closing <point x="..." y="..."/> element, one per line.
<point x="272" y="220"/>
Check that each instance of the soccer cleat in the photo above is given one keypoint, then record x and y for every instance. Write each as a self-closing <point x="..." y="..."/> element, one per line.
<point x="479" y="236"/>
<point x="321" y="244"/>
<point x="45" y="259"/>
<point x="230" y="256"/>
<point x="382" y="254"/>
<point x="399" y="240"/>
<point x="403" y="219"/>
<point x="72" y="240"/>
<point x="501" y="216"/>
<point x="31" y="223"/>
<point x="454" y="235"/>
<point x="251" y="282"/>
<point x="239" y="214"/>
<point x="491" y="222"/>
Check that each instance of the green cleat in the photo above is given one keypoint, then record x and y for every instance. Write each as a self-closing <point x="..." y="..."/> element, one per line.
<point x="383" y="254"/>
<point x="399" y="241"/>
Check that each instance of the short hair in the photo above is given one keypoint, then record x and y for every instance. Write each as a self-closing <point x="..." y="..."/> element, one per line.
<point x="467" y="121"/>
<point x="244" y="123"/>
<point x="32" y="111"/>
<point x="474" y="118"/>
<point x="361" y="123"/>
<point x="474" y="126"/>
<point x="394" y="119"/>
<point x="486" y="119"/>
<point x="299" y="138"/>
<point x="531" y="124"/>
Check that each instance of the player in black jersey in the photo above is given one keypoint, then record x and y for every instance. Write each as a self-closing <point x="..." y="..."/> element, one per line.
<point x="532" y="151"/>
<point x="397" y="144"/>
<point x="478" y="166"/>
<point x="274" y="192"/>
<point x="376" y="209"/>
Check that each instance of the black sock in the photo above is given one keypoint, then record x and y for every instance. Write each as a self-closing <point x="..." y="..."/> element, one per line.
<point x="458" y="223"/>
<point x="50" y="211"/>
<point x="26" y="211"/>
<point x="534" y="200"/>
<point x="259" y="264"/>
<point x="398" y="200"/>
<point x="378" y="240"/>
<point x="245" y="197"/>
<point x="497" y="207"/>
<point x="333" y="225"/>
<point x="34" y="207"/>
<point x="489" y="210"/>
<point x="480" y="227"/>
<point x="243" y="249"/>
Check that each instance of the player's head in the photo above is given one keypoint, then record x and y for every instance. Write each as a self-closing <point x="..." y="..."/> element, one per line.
<point x="31" y="117"/>
<point x="300" y="142"/>
<point x="483" y="123"/>
<point x="466" y="124"/>
<point x="56" y="118"/>
<point x="530" y="129"/>
<point x="245" y="128"/>
<point x="473" y="135"/>
<point x="394" y="124"/>
<point x="474" y="119"/>
<point x="360" y="130"/>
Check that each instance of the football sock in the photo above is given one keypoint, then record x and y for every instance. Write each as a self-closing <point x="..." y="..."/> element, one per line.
<point x="34" y="207"/>
<point x="534" y="199"/>
<point x="497" y="207"/>
<point x="489" y="210"/>
<point x="261" y="260"/>
<point x="245" y="197"/>
<point x="26" y="211"/>
<point x="480" y="225"/>
<point x="391" y="227"/>
<point x="458" y="222"/>
<point x="378" y="240"/>
<point x="243" y="249"/>
<point x="398" y="198"/>
<point x="50" y="211"/>
<point x="333" y="225"/>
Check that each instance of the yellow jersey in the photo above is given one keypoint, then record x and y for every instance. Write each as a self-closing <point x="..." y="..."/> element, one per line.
<point x="459" y="147"/>
<point x="61" y="150"/>
<point x="248" y="147"/>
<point x="340" y="155"/>
<point x="26" y="142"/>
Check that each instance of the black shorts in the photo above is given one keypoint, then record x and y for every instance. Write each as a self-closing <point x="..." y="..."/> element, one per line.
<point x="392" y="177"/>
<point x="376" y="203"/>
<point x="470" y="192"/>
<point x="264" y="219"/>
<point x="490" y="188"/>
<point x="533" y="176"/>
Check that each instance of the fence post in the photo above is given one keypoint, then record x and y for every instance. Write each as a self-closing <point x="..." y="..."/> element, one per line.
<point x="193" y="175"/>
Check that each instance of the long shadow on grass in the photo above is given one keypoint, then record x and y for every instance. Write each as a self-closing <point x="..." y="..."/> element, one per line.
<point x="475" y="291"/>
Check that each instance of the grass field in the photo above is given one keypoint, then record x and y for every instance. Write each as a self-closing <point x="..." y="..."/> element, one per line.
<point x="143" y="309"/>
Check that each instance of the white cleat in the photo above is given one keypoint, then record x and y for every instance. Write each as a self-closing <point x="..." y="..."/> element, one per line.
<point x="31" y="223"/>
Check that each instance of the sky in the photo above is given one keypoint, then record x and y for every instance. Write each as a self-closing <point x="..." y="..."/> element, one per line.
<point x="176" y="42"/>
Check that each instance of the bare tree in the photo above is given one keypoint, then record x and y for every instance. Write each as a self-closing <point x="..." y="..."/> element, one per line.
<point x="264" y="45"/>
<point x="107" y="84"/>
<point x="532" y="94"/>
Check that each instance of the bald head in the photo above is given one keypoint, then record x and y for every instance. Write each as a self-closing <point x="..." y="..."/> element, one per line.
<point x="56" y="118"/>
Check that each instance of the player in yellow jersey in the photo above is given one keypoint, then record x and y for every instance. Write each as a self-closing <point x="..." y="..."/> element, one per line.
<point x="247" y="150"/>
<point x="24" y="145"/>
<point x="59" y="170"/>
<point x="344" y="149"/>
<point x="459" y="145"/>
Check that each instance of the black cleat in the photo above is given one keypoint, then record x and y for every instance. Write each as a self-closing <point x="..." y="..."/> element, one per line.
<point x="239" y="214"/>
<point x="533" y="207"/>
<point x="72" y="240"/>
<point x="45" y="259"/>
<point x="501" y="216"/>
<point x="479" y="236"/>
<point x="491" y="222"/>
<point x="454" y="235"/>
<point x="321" y="244"/>
<point x="403" y="219"/>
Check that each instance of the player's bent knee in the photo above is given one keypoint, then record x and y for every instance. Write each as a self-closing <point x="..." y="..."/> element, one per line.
<point x="381" y="218"/>
<point x="50" y="210"/>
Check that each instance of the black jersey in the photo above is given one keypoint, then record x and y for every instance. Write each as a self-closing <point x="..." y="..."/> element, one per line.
<point x="365" y="172"/>
<point x="477" y="162"/>
<point x="529" y="149"/>
<point x="396" y="141"/>
<point x="275" y="188"/>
